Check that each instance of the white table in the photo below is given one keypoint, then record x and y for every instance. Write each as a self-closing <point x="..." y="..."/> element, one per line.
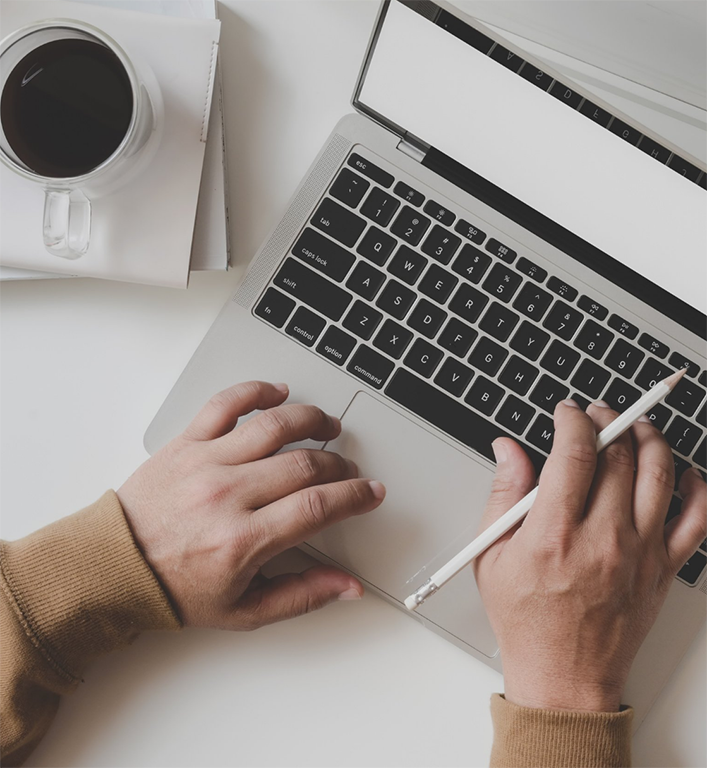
<point x="85" y="365"/>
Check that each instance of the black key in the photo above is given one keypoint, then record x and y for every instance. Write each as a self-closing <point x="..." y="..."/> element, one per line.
<point x="531" y="270"/>
<point x="488" y="356"/>
<point x="449" y="415"/>
<point x="690" y="572"/>
<point x="565" y="94"/>
<point x="365" y="280"/>
<point x="274" y="307"/>
<point x="624" y="358"/>
<point x="376" y="246"/>
<point x="470" y="231"/>
<point x="559" y="359"/>
<point x="441" y="244"/>
<point x="592" y="307"/>
<point x="683" y="436"/>
<point x="396" y="299"/>
<point x="323" y="255"/>
<point x="439" y="212"/>
<point x="484" y="395"/>
<point x="680" y="466"/>
<point x="593" y="339"/>
<point x="407" y="264"/>
<point x="498" y="321"/>
<point x="454" y="377"/>
<point x="680" y="361"/>
<point x="438" y="284"/>
<point x="623" y="326"/>
<point x="370" y="366"/>
<point x="689" y="171"/>
<point x="651" y="373"/>
<point x="655" y="150"/>
<point x="621" y="395"/>
<point x="582" y="402"/>
<point x="426" y="318"/>
<point x="536" y="76"/>
<point x="502" y="251"/>
<point x="529" y="340"/>
<point x="392" y="339"/>
<point x="595" y="113"/>
<point x="686" y="396"/>
<point x="305" y="326"/>
<point x="700" y="456"/>
<point x="518" y="375"/>
<point x="337" y="222"/>
<point x="659" y="416"/>
<point x="701" y="417"/>
<point x="307" y="286"/>
<point x="362" y="320"/>
<point x="654" y="346"/>
<point x="349" y="187"/>
<point x="457" y="337"/>
<point x="471" y="263"/>
<point x="423" y="358"/>
<point x="702" y="379"/>
<point x="548" y="392"/>
<point x="502" y="283"/>
<point x="468" y="303"/>
<point x="409" y="194"/>
<point x="563" y="320"/>
<point x="410" y="225"/>
<point x="507" y="58"/>
<point x="372" y="171"/>
<point x="624" y="130"/>
<point x="515" y="415"/>
<point x="532" y="301"/>
<point x="562" y="289"/>
<point x="336" y="345"/>
<point x="542" y="432"/>
<point x="590" y="379"/>
<point x="380" y="207"/>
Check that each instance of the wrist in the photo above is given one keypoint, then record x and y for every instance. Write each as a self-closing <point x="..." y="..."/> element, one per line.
<point x="563" y="694"/>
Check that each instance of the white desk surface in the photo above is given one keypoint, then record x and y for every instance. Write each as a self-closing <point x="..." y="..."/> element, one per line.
<point x="85" y="365"/>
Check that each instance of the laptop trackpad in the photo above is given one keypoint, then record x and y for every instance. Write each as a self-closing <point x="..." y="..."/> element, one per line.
<point x="435" y="498"/>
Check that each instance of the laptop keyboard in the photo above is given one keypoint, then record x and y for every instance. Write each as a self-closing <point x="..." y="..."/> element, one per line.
<point x="452" y="324"/>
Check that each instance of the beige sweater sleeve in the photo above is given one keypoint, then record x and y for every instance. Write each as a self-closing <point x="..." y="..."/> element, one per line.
<point x="71" y="592"/>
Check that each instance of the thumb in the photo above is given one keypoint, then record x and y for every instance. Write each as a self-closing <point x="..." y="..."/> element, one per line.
<point x="515" y="477"/>
<point x="294" y="594"/>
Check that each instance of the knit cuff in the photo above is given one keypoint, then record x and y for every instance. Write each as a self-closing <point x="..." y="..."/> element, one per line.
<point x="543" y="738"/>
<point x="81" y="588"/>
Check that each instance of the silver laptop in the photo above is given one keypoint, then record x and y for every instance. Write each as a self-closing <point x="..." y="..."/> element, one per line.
<point x="479" y="241"/>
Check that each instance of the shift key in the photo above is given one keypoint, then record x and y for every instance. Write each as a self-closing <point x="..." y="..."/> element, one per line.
<point x="312" y="290"/>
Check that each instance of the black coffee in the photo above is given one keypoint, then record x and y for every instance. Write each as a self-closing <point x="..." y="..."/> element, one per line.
<point x="66" y="107"/>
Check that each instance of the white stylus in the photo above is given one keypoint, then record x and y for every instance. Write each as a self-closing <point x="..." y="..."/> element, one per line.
<point x="516" y="513"/>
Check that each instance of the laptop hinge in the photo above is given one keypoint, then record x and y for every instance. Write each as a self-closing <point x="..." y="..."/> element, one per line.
<point x="413" y="147"/>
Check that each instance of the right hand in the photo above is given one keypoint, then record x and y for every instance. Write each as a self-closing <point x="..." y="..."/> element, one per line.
<point x="573" y="590"/>
<point x="215" y="504"/>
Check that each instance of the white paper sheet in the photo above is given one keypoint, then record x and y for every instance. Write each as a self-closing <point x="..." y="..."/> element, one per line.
<point x="142" y="232"/>
<point x="551" y="157"/>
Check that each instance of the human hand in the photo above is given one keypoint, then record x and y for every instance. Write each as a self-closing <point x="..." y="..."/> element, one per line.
<point x="572" y="592"/>
<point x="214" y="505"/>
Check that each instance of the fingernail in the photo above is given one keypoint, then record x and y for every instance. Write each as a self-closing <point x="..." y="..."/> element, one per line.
<point x="645" y="419"/>
<point x="570" y="403"/>
<point x="350" y="594"/>
<point x="282" y="388"/>
<point x="499" y="451"/>
<point x="696" y="472"/>
<point x="336" y="422"/>
<point x="377" y="488"/>
<point x="601" y="404"/>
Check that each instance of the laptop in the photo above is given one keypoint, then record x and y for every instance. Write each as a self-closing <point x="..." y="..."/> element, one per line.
<point x="481" y="239"/>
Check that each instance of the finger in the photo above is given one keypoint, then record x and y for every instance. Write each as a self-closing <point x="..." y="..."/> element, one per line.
<point x="654" y="481"/>
<point x="220" y="415"/>
<point x="278" y="476"/>
<point x="294" y="594"/>
<point x="290" y="521"/>
<point x="684" y="533"/>
<point x="269" y="431"/>
<point x="612" y="490"/>
<point x="568" y="473"/>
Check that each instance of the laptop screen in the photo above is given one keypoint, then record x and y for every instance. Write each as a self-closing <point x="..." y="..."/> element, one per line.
<point x="430" y="75"/>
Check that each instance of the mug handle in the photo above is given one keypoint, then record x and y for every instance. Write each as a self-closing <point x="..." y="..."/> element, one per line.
<point x="67" y="222"/>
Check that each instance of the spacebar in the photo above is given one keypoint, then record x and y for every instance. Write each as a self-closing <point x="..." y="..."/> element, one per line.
<point x="450" y="416"/>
